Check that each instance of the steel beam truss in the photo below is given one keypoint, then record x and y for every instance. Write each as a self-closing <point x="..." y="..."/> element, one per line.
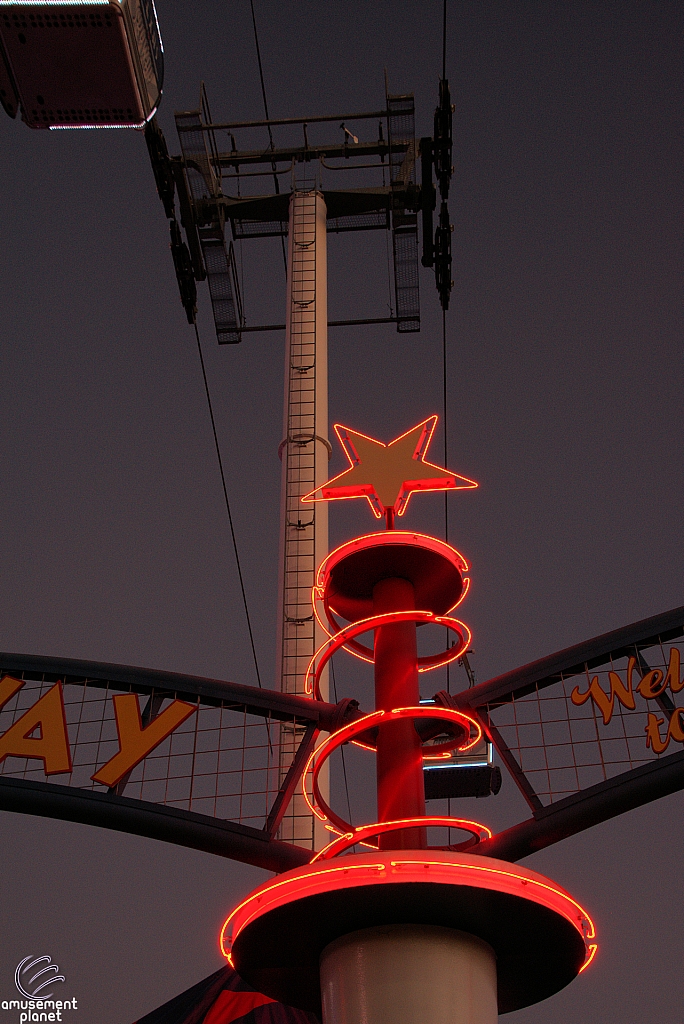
<point x="215" y="183"/>
<point x="219" y="267"/>
<point x="628" y="780"/>
<point x="542" y="734"/>
<point x="391" y="206"/>
<point x="230" y="740"/>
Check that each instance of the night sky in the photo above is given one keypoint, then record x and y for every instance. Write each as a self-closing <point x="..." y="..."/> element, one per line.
<point x="565" y="384"/>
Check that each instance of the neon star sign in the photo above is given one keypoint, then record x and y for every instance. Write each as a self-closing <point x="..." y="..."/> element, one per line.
<point x="386" y="475"/>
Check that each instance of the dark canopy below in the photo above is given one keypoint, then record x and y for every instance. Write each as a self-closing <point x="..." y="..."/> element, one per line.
<point x="224" y="998"/>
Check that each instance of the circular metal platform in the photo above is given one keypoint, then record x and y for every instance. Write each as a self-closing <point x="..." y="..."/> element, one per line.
<point x="541" y="936"/>
<point x="349" y="573"/>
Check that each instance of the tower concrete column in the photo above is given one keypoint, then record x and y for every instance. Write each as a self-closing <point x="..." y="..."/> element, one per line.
<point x="304" y="453"/>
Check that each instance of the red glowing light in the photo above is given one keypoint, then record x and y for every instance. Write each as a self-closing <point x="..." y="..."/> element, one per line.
<point x="464" y="594"/>
<point x="336" y="832"/>
<point x="396" y="867"/>
<point x="319" y="592"/>
<point x="426" y="663"/>
<point x="386" y="475"/>
<point x="333" y="741"/>
<point x="392" y="537"/>
<point x="581" y="919"/>
<point x="344" y="842"/>
<point x="284" y="881"/>
<point x="328" y="648"/>
<point x="316" y="803"/>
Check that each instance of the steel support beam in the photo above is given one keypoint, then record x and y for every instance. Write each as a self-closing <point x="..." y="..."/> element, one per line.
<point x="154" y="821"/>
<point x="287" y="789"/>
<point x="590" y="807"/>
<point x="251" y="699"/>
<point x="369" y="115"/>
<point x="571" y="661"/>
<point x="286" y="154"/>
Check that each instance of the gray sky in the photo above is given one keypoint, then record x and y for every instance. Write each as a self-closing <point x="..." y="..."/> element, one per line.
<point x="564" y="394"/>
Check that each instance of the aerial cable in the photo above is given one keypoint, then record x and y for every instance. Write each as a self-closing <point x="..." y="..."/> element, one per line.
<point x="464" y="659"/>
<point x="445" y="367"/>
<point x="446" y="457"/>
<point x="446" y="443"/>
<point x="230" y="517"/>
<point x="444" y="421"/>
<point x="444" y="338"/>
<point x="270" y="133"/>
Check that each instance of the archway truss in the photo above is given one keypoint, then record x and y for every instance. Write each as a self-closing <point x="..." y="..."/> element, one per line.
<point x="586" y="734"/>
<point x="211" y="784"/>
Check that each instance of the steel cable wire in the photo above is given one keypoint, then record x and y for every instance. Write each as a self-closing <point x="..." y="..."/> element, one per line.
<point x="230" y="517"/>
<point x="270" y="133"/>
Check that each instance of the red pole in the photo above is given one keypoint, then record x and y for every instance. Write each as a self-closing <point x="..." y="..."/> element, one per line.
<point x="401" y="792"/>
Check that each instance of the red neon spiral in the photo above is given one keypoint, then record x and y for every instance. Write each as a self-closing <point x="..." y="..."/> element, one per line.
<point x="364" y="832"/>
<point x="426" y="663"/>
<point x="342" y="638"/>
<point x="465" y="730"/>
<point x="319" y="593"/>
<point x="319" y="806"/>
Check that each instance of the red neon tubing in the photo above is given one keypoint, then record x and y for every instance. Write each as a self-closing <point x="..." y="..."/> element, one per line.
<point x="447" y="479"/>
<point x="334" y="643"/>
<point x="426" y="663"/>
<point x="389" y="537"/>
<point x="318" y="806"/>
<point x="388" y="867"/>
<point x="374" y="540"/>
<point x="358" y="835"/>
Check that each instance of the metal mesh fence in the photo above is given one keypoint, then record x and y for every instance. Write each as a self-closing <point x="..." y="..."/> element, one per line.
<point x="401" y="120"/>
<point x="243" y="228"/>
<point x="405" y="242"/>
<point x="220" y="762"/>
<point x="587" y="728"/>
<point x="360" y="221"/>
<point x="223" y="287"/>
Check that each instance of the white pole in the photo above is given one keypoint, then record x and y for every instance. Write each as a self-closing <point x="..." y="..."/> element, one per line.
<point x="409" y="974"/>
<point x="304" y="452"/>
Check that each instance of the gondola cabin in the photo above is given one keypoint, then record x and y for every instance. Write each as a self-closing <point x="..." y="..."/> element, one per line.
<point x="80" y="63"/>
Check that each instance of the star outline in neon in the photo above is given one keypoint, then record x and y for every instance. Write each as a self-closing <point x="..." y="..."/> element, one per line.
<point x="442" y="480"/>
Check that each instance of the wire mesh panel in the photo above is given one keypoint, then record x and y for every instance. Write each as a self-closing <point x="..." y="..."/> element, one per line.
<point x="244" y="228"/>
<point x="402" y="137"/>
<point x="360" y="221"/>
<point x="405" y="243"/>
<point x="221" y="761"/>
<point x="223" y="286"/>
<point x="594" y="724"/>
<point x="199" y="159"/>
<point x="200" y="173"/>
